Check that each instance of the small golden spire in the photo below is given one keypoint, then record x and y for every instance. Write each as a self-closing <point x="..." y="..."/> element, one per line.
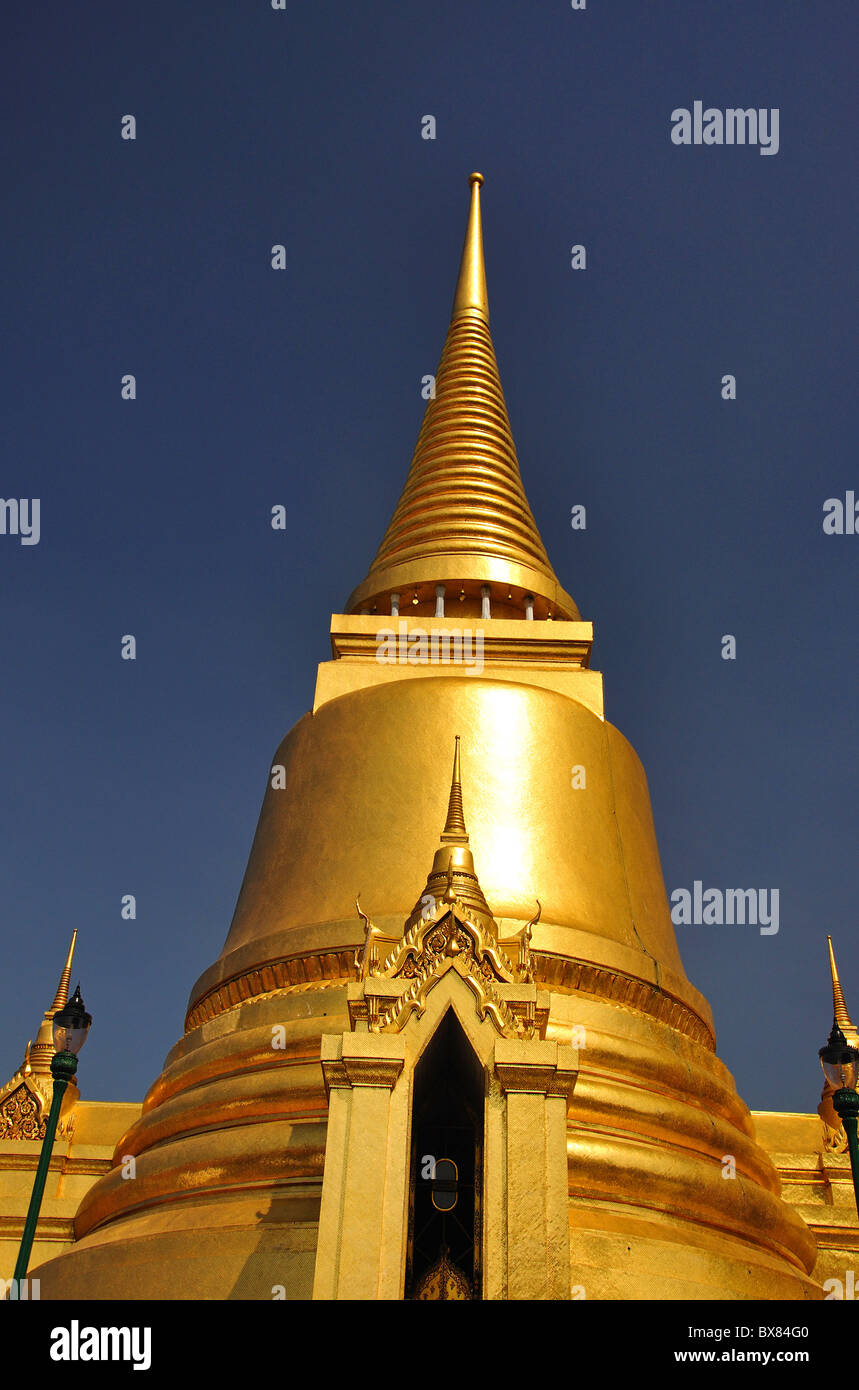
<point x="61" y="998"/>
<point x="453" y="875"/>
<point x="42" y="1049"/>
<point x="454" y="832"/>
<point x="842" y="1017"/>
<point x="471" y="295"/>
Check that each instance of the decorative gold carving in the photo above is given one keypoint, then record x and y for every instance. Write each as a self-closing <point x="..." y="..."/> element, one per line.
<point x="584" y="977"/>
<point x="526" y="964"/>
<point x="367" y="957"/>
<point x="24" y="1111"/>
<point x="21" y="1115"/>
<point x="446" y="937"/>
<point x="332" y="969"/>
<point x="311" y="969"/>
<point x="444" y="1281"/>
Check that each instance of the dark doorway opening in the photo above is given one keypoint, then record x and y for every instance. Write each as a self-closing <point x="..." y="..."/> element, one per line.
<point x="446" y="1169"/>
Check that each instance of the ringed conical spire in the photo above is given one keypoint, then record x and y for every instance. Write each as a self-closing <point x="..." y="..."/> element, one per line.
<point x="453" y="864"/>
<point x="839" y="1006"/>
<point x="463" y="525"/>
<point x="42" y="1050"/>
<point x="61" y="998"/>
<point x="454" y="832"/>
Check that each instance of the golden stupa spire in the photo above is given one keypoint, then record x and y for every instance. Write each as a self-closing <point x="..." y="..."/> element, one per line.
<point x="42" y="1049"/>
<point x="453" y="872"/>
<point x="842" y="1017"/>
<point x="61" y="998"/>
<point x="463" y="529"/>
<point x="454" y="832"/>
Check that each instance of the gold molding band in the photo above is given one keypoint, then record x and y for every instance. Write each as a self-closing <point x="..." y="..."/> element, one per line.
<point x="325" y="969"/>
<point x="319" y="969"/>
<point x="564" y="973"/>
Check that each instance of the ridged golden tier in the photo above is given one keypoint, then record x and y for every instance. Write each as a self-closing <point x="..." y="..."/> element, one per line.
<point x="231" y="1142"/>
<point x="463" y="518"/>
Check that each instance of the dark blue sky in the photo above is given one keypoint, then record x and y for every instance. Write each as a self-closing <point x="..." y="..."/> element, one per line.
<point x="255" y="387"/>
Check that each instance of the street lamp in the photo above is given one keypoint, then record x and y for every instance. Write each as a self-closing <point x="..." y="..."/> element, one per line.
<point x="70" y="1026"/>
<point x="840" y="1064"/>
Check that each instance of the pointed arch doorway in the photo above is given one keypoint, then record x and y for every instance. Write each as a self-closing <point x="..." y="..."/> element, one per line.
<point x="446" y="1169"/>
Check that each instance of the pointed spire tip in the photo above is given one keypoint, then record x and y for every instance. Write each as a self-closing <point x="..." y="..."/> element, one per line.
<point x="454" y="827"/>
<point x="471" y="296"/>
<point x="61" y="998"/>
<point x="839" y="1004"/>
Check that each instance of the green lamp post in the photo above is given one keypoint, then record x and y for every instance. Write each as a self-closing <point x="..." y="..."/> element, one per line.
<point x="840" y="1064"/>
<point x="70" y="1027"/>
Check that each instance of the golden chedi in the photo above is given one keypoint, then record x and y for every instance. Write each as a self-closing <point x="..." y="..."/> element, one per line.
<point x="491" y="1077"/>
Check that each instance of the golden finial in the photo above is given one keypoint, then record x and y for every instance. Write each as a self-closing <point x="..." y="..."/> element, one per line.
<point x="454" y="827"/>
<point x="842" y="1017"/>
<point x="471" y="295"/>
<point x="61" y="998"/>
<point x="37" y="1060"/>
<point x="366" y="957"/>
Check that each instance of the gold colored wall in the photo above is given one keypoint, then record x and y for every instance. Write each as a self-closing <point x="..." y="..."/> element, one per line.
<point x="76" y="1163"/>
<point x="817" y="1183"/>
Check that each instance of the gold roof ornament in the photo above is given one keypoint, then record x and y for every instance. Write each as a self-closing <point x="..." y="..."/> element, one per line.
<point x="839" y="1007"/>
<point x="453" y="870"/>
<point x="444" y="1281"/>
<point x="451" y="927"/>
<point x="834" y="1133"/>
<point x="454" y="832"/>
<point x="463" y="517"/>
<point x="43" y="1048"/>
<point x="26" y="1097"/>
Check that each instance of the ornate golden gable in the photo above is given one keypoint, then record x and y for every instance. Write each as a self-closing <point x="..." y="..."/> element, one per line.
<point x="447" y="938"/>
<point x="23" y="1113"/>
